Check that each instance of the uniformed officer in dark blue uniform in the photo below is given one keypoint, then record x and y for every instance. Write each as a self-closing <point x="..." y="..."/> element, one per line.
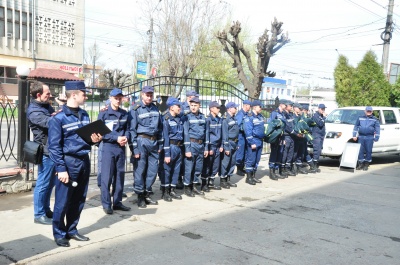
<point x="173" y="140"/>
<point x="147" y="142"/>
<point x="318" y="134"/>
<point x="288" y="137"/>
<point x="366" y="131"/>
<point x="196" y="141"/>
<point x="275" y="156"/>
<point x="230" y="134"/>
<point x="212" y="162"/>
<point x="254" y="132"/>
<point x="113" y="153"/>
<point x="300" y="141"/>
<point x="69" y="153"/>
<point x="242" y="144"/>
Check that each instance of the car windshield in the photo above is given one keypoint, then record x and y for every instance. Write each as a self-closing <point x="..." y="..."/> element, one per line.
<point x="344" y="116"/>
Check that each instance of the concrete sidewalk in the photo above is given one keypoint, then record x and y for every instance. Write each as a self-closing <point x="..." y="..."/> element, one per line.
<point x="333" y="217"/>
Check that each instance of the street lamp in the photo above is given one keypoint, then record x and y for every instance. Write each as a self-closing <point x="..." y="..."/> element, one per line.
<point x="23" y="100"/>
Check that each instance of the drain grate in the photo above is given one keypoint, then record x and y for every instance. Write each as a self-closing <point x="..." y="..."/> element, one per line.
<point x="191" y="235"/>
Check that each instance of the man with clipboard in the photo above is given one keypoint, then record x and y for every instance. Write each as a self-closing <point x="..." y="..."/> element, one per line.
<point x="69" y="153"/>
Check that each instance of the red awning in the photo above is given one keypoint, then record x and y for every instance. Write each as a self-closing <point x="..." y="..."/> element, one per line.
<point x="52" y="74"/>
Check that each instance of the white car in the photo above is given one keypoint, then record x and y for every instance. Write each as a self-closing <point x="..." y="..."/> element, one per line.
<point x="339" y="126"/>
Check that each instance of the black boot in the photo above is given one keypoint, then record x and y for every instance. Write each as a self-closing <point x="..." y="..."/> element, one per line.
<point x="240" y="171"/>
<point x="179" y="185"/>
<point x="196" y="191"/>
<point x="290" y="171"/>
<point x="282" y="173"/>
<point x="366" y="165"/>
<point x="224" y="183"/>
<point x="272" y="174"/>
<point x="165" y="194"/>
<point x="254" y="178"/>
<point x="204" y="186"/>
<point x="188" y="190"/>
<point x="317" y="166"/>
<point x="249" y="178"/>
<point x="212" y="185"/>
<point x="301" y="169"/>
<point x="140" y="201"/>
<point x="173" y="194"/>
<point x="312" y="169"/>
<point x="360" y="165"/>
<point x="230" y="183"/>
<point x="148" y="199"/>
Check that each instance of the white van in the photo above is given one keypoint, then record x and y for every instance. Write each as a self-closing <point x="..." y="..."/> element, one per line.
<point x="339" y="126"/>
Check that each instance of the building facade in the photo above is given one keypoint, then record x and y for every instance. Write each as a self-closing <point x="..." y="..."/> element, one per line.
<point x="46" y="34"/>
<point x="275" y="87"/>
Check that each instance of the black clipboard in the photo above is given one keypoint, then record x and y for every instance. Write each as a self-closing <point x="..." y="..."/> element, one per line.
<point x="94" y="127"/>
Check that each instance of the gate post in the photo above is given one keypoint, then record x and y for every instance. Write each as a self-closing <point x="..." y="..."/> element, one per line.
<point x="23" y="95"/>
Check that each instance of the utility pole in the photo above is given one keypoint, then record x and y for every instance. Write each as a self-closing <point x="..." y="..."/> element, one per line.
<point x="150" y="32"/>
<point x="386" y="36"/>
<point x="94" y="65"/>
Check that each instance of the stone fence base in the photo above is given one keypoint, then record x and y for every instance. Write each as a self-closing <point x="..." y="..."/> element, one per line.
<point x="13" y="180"/>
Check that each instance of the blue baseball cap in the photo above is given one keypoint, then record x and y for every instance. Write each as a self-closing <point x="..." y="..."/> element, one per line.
<point x="321" y="106"/>
<point x="115" y="92"/>
<point x="297" y="105"/>
<point x="247" y="102"/>
<point x="75" y="85"/>
<point x="172" y="101"/>
<point x="214" y="104"/>
<point x="289" y="102"/>
<point x="232" y="105"/>
<point x="283" y="101"/>
<point x="256" y="103"/>
<point x="195" y="100"/>
<point x="192" y="93"/>
<point x="148" y="89"/>
<point x="368" y="108"/>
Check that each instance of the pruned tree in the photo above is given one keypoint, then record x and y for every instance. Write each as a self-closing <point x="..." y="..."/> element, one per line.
<point x="114" y="78"/>
<point x="268" y="44"/>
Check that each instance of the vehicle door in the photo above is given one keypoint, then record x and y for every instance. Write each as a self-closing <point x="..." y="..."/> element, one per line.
<point x="389" y="135"/>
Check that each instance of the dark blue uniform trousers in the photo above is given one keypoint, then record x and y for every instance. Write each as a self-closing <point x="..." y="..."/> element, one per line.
<point x="171" y="171"/>
<point x="288" y="152"/>
<point x="211" y="164"/>
<point x="367" y="143"/>
<point x="112" y="172"/>
<point x="146" y="166"/>
<point x="275" y="157"/>
<point x="229" y="161"/>
<point x="194" y="164"/>
<point x="317" y="146"/>
<point x="253" y="156"/>
<point x="69" y="201"/>
<point x="241" y="152"/>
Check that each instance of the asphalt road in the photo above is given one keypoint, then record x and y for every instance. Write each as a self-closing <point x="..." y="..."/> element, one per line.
<point x="334" y="217"/>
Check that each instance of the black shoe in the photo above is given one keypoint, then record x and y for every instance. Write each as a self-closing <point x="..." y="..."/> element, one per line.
<point x="188" y="191"/>
<point x="124" y="195"/>
<point x="108" y="210"/>
<point x="196" y="191"/>
<point x="204" y="185"/>
<point x="282" y="173"/>
<point x="140" y="201"/>
<point x="79" y="237"/>
<point x="165" y="194"/>
<point x="360" y="166"/>
<point x="230" y="183"/>
<point x="43" y="220"/>
<point x="121" y="207"/>
<point x="254" y="178"/>
<point x="49" y="214"/>
<point x="149" y="201"/>
<point x="272" y="174"/>
<point x="240" y="171"/>
<point x="249" y="179"/>
<point x="224" y="183"/>
<point x="366" y="165"/>
<point x="211" y="184"/>
<point x="62" y="242"/>
<point x="174" y="195"/>
<point x="301" y="170"/>
<point x="179" y="185"/>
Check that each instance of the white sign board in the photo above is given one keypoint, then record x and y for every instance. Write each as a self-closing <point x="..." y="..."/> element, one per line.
<point x="350" y="155"/>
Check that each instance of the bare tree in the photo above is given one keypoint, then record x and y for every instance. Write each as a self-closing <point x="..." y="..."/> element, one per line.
<point x="115" y="78"/>
<point x="182" y="29"/>
<point x="267" y="46"/>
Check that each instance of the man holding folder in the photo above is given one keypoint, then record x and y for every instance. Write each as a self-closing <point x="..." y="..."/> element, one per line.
<point x="69" y="153"/>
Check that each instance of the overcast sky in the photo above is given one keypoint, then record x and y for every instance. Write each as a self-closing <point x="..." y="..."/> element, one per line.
<point x="318" y="29"/>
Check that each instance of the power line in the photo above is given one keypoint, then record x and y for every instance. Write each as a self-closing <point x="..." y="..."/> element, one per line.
<point x="364" y="8"/>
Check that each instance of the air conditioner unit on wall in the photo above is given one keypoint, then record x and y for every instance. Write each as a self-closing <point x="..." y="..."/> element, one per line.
<point x="9" y="35"/>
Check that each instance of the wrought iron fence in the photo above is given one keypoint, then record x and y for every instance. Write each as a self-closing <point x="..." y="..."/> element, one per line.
<point x="165" y="86"/>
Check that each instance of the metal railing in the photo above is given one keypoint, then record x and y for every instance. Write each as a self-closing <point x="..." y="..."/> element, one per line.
<point x="165" y="86"/>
